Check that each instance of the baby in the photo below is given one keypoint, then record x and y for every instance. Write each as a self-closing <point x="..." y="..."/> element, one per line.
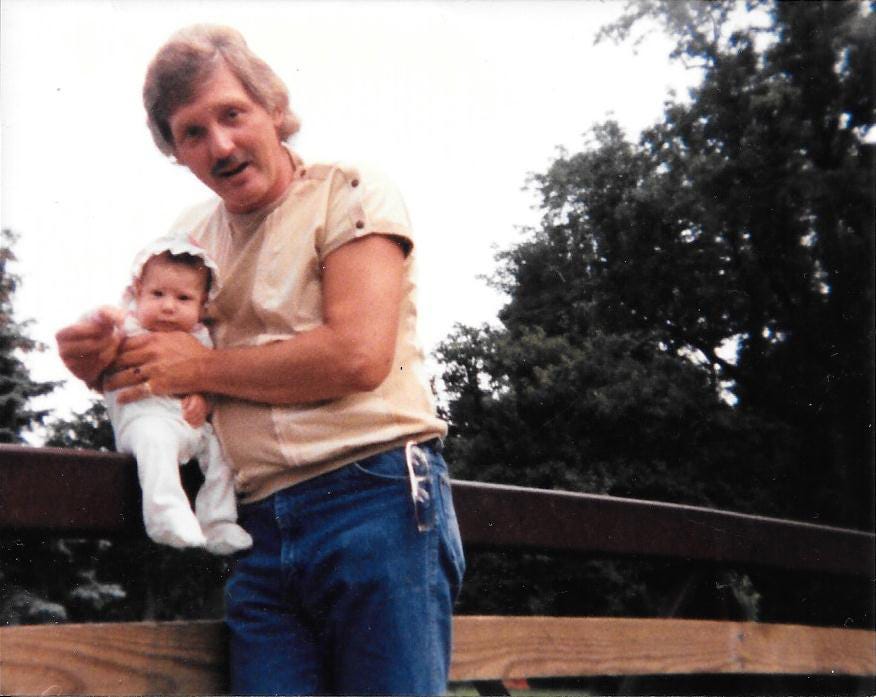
<point x="172" y="282"/>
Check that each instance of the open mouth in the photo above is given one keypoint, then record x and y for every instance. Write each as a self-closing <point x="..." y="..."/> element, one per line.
<point x="228" y="173"/>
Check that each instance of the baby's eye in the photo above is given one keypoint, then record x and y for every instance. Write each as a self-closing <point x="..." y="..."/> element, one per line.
<point x="184" y="298"/>
<point x="157" y="293"/>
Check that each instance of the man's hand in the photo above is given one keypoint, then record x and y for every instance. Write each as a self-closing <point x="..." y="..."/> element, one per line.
<point x="89" y="346"/>
<point x="195" y="409"/>
<point x="160" y="363"/>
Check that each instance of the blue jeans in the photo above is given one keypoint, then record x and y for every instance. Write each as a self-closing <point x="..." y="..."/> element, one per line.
<point x="343" y="592"/>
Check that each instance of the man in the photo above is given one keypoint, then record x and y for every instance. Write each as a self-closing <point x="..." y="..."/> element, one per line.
<point x="322" y="406"/>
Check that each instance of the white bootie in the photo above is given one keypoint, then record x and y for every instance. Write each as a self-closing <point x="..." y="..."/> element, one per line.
<point x="177" y="528"/>
<point x="227" y="538"/>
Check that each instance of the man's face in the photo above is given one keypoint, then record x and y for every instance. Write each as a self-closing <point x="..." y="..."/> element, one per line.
<point x="229" y="142"/>
<point x="170" y="295"/>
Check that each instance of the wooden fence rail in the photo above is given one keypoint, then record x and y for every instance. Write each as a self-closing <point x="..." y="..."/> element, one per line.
<point x="44" y="490"/>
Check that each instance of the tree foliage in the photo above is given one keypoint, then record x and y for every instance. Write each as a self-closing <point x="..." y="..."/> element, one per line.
<point x="692" y="320"/>
<point x="89" y="429"/>
<point x="17" y="387"/>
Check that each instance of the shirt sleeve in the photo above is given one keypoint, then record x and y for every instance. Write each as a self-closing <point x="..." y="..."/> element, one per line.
<point x="363" y="202"/>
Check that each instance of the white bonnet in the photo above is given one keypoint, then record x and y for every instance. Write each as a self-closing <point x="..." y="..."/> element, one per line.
<point x="175" y="244"/>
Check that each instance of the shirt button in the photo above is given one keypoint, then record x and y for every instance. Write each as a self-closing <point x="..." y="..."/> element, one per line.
<point x="355" y="182"/>
<point x="360" y="224"/>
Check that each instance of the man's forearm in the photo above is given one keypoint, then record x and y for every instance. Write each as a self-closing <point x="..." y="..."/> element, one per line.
<point x="319" y="364"/>
<point x="352" y="351"/>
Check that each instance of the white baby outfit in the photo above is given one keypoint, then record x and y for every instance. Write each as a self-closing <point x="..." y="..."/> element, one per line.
<point x="154" y="431"/>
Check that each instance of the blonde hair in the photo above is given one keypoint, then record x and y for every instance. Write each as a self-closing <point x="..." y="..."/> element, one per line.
<point x="188" y="59"/>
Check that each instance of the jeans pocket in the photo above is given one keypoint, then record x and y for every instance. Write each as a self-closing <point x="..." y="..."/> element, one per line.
<point x="451" y="540"/>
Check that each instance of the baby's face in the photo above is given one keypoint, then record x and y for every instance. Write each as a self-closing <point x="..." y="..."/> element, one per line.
<point x="170" y="296"/>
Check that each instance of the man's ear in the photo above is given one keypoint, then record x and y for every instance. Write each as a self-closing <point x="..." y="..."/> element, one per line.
<point x="277" y="117"/>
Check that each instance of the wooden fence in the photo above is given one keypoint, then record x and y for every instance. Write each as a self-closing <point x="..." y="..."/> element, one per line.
<point x="85" y="493"/>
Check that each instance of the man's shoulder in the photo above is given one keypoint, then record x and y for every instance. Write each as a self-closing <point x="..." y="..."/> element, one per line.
<point x="349" y="173"/>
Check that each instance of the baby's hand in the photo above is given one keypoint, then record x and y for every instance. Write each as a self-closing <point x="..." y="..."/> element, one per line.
<point x="109" y="315"/>
<point x="195" y="409"/>
<point x="90" y="346"/>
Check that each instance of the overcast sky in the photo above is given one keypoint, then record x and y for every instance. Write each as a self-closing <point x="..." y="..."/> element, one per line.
<point x="455" y="101"/>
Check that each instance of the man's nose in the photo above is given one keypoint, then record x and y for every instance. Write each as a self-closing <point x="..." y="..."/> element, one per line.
<point x="221" y="144"/>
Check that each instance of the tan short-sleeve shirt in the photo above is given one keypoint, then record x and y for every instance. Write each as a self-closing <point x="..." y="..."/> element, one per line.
<point x="271" y="289"/>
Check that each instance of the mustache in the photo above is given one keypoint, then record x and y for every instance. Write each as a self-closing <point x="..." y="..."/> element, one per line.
<point x="226" y="165"/>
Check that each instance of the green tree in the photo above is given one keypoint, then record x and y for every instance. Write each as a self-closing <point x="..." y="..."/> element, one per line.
<point x="692" y="320"/>
<point x="89" y="429"/>
<point x="777" y="182"/>
<point x="17" y="387"/>
<point x="743" y="219"/>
